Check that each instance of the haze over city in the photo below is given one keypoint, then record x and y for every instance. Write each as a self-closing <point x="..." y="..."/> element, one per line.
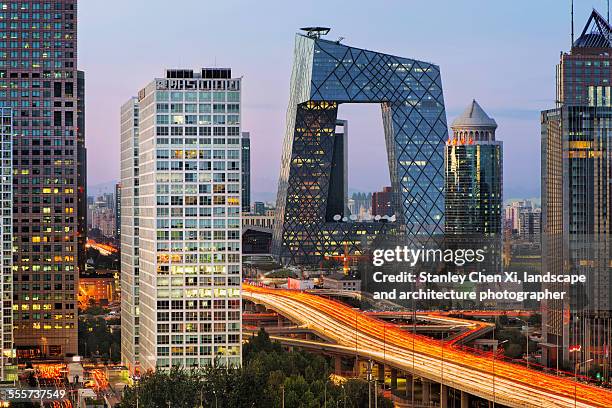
<point x="494" y="52"/>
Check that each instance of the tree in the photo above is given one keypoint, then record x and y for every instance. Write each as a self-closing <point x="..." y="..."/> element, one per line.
<point x="267" y="371"/>
<point x="96" y="339"/>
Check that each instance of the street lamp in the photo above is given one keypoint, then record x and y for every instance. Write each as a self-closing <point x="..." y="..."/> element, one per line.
<point x="494" y="354"/>
<point x="527" y="337"/>
<point x="576" y="378"/>
<point x="376" y="393"/>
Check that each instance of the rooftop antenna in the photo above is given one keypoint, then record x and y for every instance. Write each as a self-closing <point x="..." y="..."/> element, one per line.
<point x="572" y="45"/>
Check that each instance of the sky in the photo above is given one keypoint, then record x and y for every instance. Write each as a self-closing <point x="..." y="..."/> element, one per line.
<point x="501" y="53"/>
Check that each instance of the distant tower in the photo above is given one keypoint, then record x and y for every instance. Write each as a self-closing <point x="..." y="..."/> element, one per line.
<point x="473" y="168"/>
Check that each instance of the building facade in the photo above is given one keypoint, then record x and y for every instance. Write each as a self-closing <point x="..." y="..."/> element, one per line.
<point x="259" y="208"/>
<point x="512" y="214"/>
<point x="6" y="240"/>
<point x="382" y="202"/>
<point x="530" y="225"/>
<point x="39" y="80"/>
<point x="103" y="219"/>
<point x="246" y="171"/>
<point x="576" y="197"/>
<point x="189" y="164"/>
<point x="81" y="172"/>
<point x="473" y="168"/>
<point x="118" y="211"/>
<point x="130" y="231"/>
<point x="312" y="209"/>
<point x="99" y="289"/>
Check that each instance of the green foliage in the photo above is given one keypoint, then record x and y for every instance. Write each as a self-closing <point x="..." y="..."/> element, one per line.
<point x="516" y="345"/>
<point x="535" y="320"/>
<point x="96" y="339"/>
<point x="514" y="351"/>
<point x="94" y="310"/>
<point x="281" y="273"/>
<point x="268" y="373"/>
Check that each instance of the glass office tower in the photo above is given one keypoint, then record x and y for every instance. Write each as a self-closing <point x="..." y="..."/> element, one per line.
<point x="473" y="174"/>
<point x="311" y="217"/>
<point x="39" y="80"/>
<point x="576" y="200"/>
<point x="6" y="241"/>
<point x="473" y="194"/>
<point x="189" y="220"/>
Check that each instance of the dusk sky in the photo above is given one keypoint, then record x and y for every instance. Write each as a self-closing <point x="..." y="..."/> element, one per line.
<point x="502" y="53"/>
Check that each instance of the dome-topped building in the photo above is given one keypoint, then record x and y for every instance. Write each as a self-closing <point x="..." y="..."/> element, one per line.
<point x="474" y="125"/>
<point x="473" y="176"/>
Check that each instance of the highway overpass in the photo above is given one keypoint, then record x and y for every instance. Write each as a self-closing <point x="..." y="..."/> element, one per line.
<point x="350" y="331"/>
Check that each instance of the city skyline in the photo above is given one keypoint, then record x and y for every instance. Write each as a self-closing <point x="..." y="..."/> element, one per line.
<point x="512" y="93"/>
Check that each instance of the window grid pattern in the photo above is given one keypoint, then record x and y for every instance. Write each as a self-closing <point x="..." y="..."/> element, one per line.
<point x="326" y="74"/>
<point x="190" y="225"/>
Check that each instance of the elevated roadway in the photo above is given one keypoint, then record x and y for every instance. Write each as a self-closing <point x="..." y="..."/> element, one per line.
<point x="369" y="338"/>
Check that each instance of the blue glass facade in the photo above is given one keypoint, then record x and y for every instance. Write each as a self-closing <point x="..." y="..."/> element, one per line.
<point x="326" y="74"/>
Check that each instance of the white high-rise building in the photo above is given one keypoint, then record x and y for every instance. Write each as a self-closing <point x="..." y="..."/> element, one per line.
<point x="6" y="239"/>
<point x="189" y="248"/>
<point x="129" y="235"/>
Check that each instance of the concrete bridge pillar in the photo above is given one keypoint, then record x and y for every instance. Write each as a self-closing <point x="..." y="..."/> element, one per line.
<point x="426" y="385"/>
<point x="380" y="368"/>
<point x="465" y="399"/>
<point x="393" y="378"/>
<point x="356" y="367"/>
<point x="443" y="395"/>
<point x="408" y="385"/>
<point x="338" y="365"/>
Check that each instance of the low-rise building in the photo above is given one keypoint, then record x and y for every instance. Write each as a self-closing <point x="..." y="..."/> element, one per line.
<point x="338" y="281"/>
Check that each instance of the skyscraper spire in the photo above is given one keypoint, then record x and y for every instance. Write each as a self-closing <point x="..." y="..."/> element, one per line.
<point x="572" y="12"/>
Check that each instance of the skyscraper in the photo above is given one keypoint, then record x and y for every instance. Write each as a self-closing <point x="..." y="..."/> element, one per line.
<point x="189" y="219"/>
<point x="118" y="211"/>
<point x="473" y="168"/>
<point x="576" y="199"/>
<point x="6" y="239"/>
<point x="130" y="231"/>
<point x="311" y="211"/>
<point x="39" y="80"/>
<point x="246" y="171"/>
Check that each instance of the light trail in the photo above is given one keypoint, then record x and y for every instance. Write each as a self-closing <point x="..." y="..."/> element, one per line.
<point x="509" y="384"/>
<point x="104" y="249"/>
